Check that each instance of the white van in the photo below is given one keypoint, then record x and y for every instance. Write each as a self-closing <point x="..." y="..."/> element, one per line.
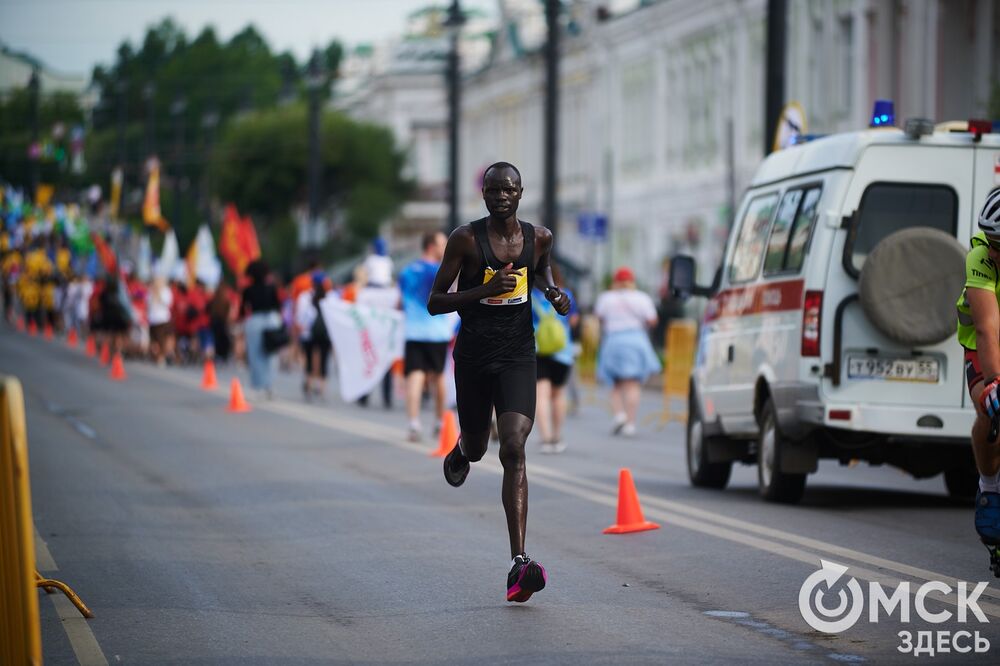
<point x="830" y="330"/>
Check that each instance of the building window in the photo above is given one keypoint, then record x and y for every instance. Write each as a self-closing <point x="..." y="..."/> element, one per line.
<point x="845" y="38"/>
<point x="637" y="116"/>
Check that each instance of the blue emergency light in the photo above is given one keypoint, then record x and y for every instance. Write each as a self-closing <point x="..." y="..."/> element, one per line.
<point x="883" y="115"/>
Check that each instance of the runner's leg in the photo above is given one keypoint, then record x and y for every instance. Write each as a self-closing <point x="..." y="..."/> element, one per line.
<point x="543" y="410"/>
<point x="632" y="392"/>
<point x="558" y="412"/>
<point x="514" y="430"/>
<point x="414" y="387"/>
<point x="435" y="381"/>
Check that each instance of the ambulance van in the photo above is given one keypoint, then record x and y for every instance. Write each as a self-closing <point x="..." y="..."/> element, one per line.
<point x="830" y="329"/>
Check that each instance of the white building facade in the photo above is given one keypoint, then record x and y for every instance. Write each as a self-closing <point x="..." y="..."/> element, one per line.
<point x="401" y="85"/>
<point x="662" y="108"/>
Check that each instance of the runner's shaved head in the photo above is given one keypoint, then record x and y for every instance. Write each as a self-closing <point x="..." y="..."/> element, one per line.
<point x="499" y="166"/>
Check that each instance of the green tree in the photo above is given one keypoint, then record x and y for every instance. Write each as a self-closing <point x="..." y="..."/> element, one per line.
<point x="15" y="136"/>
<point x="177" y="96"/>
<point x="260" y="164"/>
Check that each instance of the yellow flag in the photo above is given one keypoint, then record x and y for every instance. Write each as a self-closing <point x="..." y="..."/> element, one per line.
<point x="151" y="205"/>
<point x="43" y="195"/>
<point x="117" y="177"/>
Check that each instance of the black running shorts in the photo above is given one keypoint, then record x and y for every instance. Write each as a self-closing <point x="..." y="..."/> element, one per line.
<point x="505" y="386"/>
<point x="424" y="357"/>
<point x="554" y="371"/>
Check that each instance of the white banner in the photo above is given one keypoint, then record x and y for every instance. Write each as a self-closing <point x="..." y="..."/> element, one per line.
<point x="366" y="341"/>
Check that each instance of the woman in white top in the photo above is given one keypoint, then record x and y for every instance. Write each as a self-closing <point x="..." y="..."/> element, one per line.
<point x="626" y="357"/>
<point x="159" y="300"/>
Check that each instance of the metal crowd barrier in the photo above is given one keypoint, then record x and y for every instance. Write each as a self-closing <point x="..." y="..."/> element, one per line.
<point x="20" y="631"/>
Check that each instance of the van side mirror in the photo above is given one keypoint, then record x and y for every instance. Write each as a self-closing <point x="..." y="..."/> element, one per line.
<point x="682" y="278"/>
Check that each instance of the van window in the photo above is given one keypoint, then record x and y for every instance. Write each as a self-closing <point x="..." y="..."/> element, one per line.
<point x="774" y="261"/>
<point x="752" y="239"/>
<point x="802" y="230"/>
<point x="890" y="207"/>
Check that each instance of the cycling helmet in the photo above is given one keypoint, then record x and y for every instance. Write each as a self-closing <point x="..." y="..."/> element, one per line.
<point x="989" y="218"/>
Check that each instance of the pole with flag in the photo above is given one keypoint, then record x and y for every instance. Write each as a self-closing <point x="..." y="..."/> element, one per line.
<point x="151" y="213"/>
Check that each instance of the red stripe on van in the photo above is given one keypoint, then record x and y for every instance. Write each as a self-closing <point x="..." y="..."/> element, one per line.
<point x="756" y="299"/>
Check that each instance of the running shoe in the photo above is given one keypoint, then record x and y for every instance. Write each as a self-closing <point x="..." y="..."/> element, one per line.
<point x="620" y="421"/>
<point x="456" y="466"/>
<point x="988" y="517"/>
<point x="628" y="430"/>
<point x="525" y="578"/>
<point x="413" y="434"/>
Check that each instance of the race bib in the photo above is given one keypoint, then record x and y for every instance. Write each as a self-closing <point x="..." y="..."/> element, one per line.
<point x="516" y="297"/>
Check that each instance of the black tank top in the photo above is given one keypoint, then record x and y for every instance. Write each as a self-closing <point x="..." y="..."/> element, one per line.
<point x="498" y="329"/>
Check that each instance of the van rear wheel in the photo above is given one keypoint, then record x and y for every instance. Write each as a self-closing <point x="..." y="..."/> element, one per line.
<point x="775" y="485"/>
<point x="701" y="472"/>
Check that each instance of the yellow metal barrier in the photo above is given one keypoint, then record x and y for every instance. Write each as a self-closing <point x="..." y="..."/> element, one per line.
<point x="679" y="351"/>
<point x="20" y="633"/>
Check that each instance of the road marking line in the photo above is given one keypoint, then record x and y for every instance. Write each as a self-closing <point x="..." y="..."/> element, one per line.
<point x="88" y="652"/>
<point x="676" y="513"/>
<point x="43" y="558"/>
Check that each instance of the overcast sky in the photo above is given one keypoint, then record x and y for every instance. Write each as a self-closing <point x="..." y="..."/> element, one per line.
<point x="71" y="36"/>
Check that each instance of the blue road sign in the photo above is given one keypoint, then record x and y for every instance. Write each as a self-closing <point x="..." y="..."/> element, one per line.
<point x="593" y="225"/>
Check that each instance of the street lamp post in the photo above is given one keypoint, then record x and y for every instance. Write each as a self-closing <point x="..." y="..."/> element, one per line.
<point x="314" y="81"/>
<point x="177" y="111"/>
<point x="122" y="120"/>
<point x="33" y="87"/>
<point x="453" y="24"/>
<point x="149" y="95"/>
<point x="550" y="215"/>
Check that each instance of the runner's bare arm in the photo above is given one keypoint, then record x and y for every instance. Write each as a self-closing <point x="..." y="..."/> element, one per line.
<point x="462" y="248"/>
<point x="986" y="315"/>
<point x="543" y="272"/>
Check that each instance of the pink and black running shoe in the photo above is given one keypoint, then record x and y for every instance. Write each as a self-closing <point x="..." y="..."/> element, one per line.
<point x="525" y="578"/>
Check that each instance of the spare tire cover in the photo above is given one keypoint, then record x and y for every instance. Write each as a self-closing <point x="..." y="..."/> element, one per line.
<point x="909" y="285"/>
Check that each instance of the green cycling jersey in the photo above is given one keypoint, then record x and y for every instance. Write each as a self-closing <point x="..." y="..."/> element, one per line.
<point x="980" y="273"/>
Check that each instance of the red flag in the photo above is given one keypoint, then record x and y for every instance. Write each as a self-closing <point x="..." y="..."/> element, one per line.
<point x="104" y="252"/>
<point x="250" y="242"/>
<point x="238" y="241"/>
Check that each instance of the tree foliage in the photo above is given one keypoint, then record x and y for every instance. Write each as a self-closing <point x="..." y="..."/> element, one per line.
<point x="260" y="163"/>
<point x="16" y="132"/>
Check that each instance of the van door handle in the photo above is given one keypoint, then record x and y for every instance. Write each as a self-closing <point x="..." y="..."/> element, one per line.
<point x="731" y="353"/>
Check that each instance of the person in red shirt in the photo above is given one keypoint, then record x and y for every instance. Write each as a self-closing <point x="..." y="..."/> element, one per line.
<point x="183" y="323"/>
<point x="201" y="322"/>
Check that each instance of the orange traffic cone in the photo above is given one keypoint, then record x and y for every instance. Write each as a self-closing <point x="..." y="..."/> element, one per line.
<point x="209" y="382"/>
<point x="630" y="518"/>
<point x="47" y="334"/>
<point x="237" y="403"/>
<point x="71" y="339"/>
<point x="105" y="353"/>
<point x="32" y="328"/>
<point x="449" y="435"/>
<point x="91" y="347"/>
<point x="21" y="326"/>
<point x="118" y="368"/>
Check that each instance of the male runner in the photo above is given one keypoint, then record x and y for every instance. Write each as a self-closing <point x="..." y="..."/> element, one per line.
<point x="427" y="337"/>
<point x="496" y="260"/>
<point x="979" y="333"/>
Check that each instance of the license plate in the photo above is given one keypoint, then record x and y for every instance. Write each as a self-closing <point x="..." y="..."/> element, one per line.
<point x="894" y="369"/>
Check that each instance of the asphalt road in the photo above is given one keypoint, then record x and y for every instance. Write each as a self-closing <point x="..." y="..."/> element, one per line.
<point x="300" y="534"/>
